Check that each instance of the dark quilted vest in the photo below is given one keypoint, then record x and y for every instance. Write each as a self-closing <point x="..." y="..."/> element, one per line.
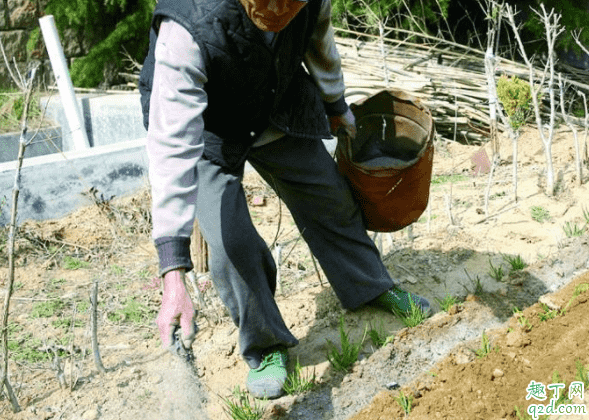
<point x="249" y="86"/>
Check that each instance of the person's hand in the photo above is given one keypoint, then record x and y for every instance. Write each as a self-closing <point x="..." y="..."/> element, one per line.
<point x="177" y="309"/>
<point x="343" y="124"/>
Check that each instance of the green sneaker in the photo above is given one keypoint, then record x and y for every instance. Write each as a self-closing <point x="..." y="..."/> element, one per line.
<point x="397" y="301"/>
<point x="267" y="380"/>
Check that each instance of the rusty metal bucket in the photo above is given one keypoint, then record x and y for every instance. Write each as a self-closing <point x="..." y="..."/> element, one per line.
<point x="389" y="162"/>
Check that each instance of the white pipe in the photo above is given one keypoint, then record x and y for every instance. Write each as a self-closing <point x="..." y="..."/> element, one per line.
<point x="64" y="83"/>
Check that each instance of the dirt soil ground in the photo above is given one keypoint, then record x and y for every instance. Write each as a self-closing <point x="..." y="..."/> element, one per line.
<point x="451" y="251"/>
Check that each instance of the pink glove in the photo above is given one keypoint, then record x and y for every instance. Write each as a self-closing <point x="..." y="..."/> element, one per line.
<point x="177" y="309"/>
<point x="345" y="122"/>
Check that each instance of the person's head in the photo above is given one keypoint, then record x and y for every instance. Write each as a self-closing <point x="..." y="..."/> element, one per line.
<point x="272" y="15"/>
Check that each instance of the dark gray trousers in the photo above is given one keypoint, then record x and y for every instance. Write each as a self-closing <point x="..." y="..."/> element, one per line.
<point x="243" y="271"/>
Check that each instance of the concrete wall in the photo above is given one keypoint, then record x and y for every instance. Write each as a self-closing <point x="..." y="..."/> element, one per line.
<point x="54" y="185"/>
<point x="108" y="118"/>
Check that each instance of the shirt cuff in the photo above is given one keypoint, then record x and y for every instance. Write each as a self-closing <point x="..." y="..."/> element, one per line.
<point x="173" y="252"/>
<point x="336" y="108"/>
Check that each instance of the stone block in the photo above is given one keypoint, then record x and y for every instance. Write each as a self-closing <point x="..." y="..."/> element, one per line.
<point x="23" y="13"/>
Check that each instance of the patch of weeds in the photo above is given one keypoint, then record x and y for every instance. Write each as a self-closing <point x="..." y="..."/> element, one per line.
<point x="442" y="179"/>
<point x="415" y="316"/>
<point x="522" y="320"/>
<point x="72" y="263"/>
<point x="405" y="401"/>
<point x="65" y="340"/>
<point x="547" y="314"/>
<point x="582" y="373"/>
<point x="526" y="416"/>
<point x="82" y="306"/>
<point x="116" y="270"/>
<point x="55" y="284"/>
<point x="298" y="382"/>
<point x="447" y="302"/>
<point x="571" y="230"/>
<point x="485" y="346"/>
<point x="132" y="311"/>
<point x="586" y="215"/>
<point x="25" y="349"/>
<point x="144" y="273"/>
<point x="145" y="395"/>
<point x="539" y="214"/>
<point x="562" y="394"/>
<point x="496" y="273"/>
<point x="517" y="263"/>
<point x="241" y="407"/>
<point x="580" y="288"/>
<point x="378" y="335"/>
<point x="343" y="360"/>
<point x="47" y="309"/>
<point x="66" y="323"/>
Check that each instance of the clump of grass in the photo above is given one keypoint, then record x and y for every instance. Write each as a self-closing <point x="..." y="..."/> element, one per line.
<point x="405" y="401"/>
<point x="442" y="179"/>
<point x="343" y="360"/>
<point x="378" y="336"/>
<point x="72" y="263"/>
<point x="241" y="407"/>
<point x="582" y="373"/>
<point x="580" y="288"/>
<point x="547" y="314"/>
<point x="586" y="215"/>
<point x="496" y="273"/>
<point x="66" y="323"/>
<point x="522" y="320"/>
<point x="132" y="311"/>
<point x="485" y="346"/>
<point x="447" y="302"/>
<point x="414" y="317"/>
<point x="540" y="214"/>
<point x="517" y="263"/>
<point x="25" y="349"/>
<point x="298" y="382"/>
<point x="47" y="309"/>
<point x="571" y="230"/>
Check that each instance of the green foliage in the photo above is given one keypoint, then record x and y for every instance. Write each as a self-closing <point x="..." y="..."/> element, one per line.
<point x="415" y="316"/>
<point x="298" y="382"/>
<point x="47" y="309"/>
<point x="517" y="263"/>
<point x="25" y="349"/>
<point x="133" y="311"/>
<point x="574" y="17"/>
<point x="547" y="314"/>
<point x="241" y="407"/>
<point x="414" y="15"/>
<point x="72" y="263"/>
<point x="572" y="230"/>
<point x="495" y="273"/>
<point x="405" y="401"/>
<point x="12" y="108"/>
<point x="485" y="346"/>
<point x="540" y="214"/>
<point x="516" y="97"/>
<point x="111" y="27"/>
<point x="447" y="302"/>
<point x="582" y="373"/>
<point x="378" y="335"/>
<point x="442" y="179"/>
<point x="349" y="354"/>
